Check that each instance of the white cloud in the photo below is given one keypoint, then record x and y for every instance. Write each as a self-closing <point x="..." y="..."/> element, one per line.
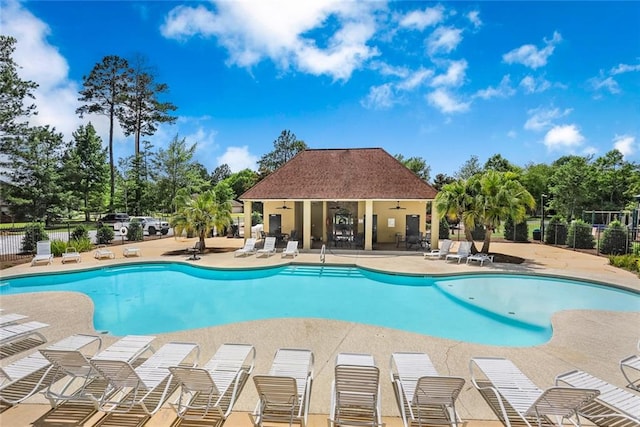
<point x="238" y="158"/>
<point x="604" y="83"/>
<point x="626" y="144"/>
<point x="421" y="19"/>
<point x="530" y="56"/>
<point x="543" y="118"/>
<point x="589" y="151"/>
<point x="379" y="98"/>
<point x="454" y="76"/>
<point x="512" y="134"/>
<point x="624" y="68"/>
<point x="254" y="31"/>
<point x="563" y="137"/>
<point x="474" y="18"/>
<point x="443" y="40"/>
<point x="504" y="90"/>
<point x="415" y="79"/>
<point x="389" y="70"/>
<point x="532" y="84"/>
<point x="445" y="102"/>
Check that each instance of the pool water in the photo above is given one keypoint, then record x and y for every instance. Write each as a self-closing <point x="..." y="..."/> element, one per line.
<point x="505" y="310"/>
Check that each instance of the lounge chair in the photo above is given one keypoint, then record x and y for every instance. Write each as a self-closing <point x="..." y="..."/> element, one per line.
<point x="103" y="252"/>
<point x="71" y="254"/>
<point x="464" y="251"/>
<point x="30" y="374"/>
<point x="131" y="251"/>
<point x="269" y="247"/>
<point x="614" y="406"/>
<point x="355" y="391"/>
<point x="43" y="253"/>
<point x="291" y="249"/>
<point x="248" y="248"/>
<point x="630" y="367"/>
<point x="481" y="258"/>
<point x="8" y="319"/>
<point x="284" y="393"/>
<point x="213" y="388"/>
<point x="442" y="252"/>
<point x="518" y="395"/>
<point x="147" y="385"/>
<point x="79" y="373"/>
<point x="19" y="331"/>
<point x="423" y="396"/>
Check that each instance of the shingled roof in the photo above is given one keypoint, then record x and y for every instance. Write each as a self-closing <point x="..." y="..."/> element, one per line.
<point x="341" y="174"/>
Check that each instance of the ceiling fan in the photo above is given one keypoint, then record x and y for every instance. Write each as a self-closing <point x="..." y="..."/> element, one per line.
<point x="397" y="207"/>
<point x="284" y="206"/>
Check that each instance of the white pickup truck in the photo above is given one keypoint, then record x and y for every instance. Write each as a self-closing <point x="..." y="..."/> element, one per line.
<point x="150" y="225"/>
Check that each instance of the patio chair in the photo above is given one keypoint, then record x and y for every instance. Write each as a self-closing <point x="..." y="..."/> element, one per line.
<point x="284" y="393"/>
<point x="481" y="258"/>
<point x="269" y="247"/>
<point x="464" y="251"/>
<point x="147" y="385"/>
<point x="291" y="249"/>
<point x="516" y="394"/>
<point x="26" y="376"/>
<point x="11" y="318"/>
<point x="43" y="253"/>
<point x="103" y="252"/>
<point x="355" y="391"/>
<point x="79" y="372"/>
<point x="213" y="388"/>
<point x="630" y="367"/>
<point x="423" y="396"/>
<point x="442" y="252"/>
<point x="71" y="254"/>
<point x="19" y="331"/>
<point x="613" y="406"/>
<point x="248" y="248"/>
<point x="195" y="250"/>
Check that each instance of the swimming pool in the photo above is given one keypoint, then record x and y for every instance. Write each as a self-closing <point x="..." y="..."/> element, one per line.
<point x="505" y="310"/>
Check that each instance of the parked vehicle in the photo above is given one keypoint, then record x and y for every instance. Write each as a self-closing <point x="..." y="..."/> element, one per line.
<point x="113" y="219"/>
<point x="150" y="225"/>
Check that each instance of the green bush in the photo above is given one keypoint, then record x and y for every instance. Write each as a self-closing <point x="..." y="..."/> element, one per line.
<point x="479" y="232"/>
<point x="521" y="233"/>
<point x="58" y="247"/>
<point x="579" y="235"/>
<point x="635" y="249"/>
<point x="79" y="232"/>
<point x="614" y="239"/>
<point x="82" y="245"/>
<point x="32" y="235"/>
<point x="256" y="218"/>
<point x="134" y="232"/>
<point x="627" y="262"/>
<point x="556" y="231"/>
<point x="105" y="235"/>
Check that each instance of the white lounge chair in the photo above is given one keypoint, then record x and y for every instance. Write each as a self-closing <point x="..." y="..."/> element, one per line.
<point x="103" y="252"/>
<point x="79" y="373"/>
<point x="30" y="374"/>
<point x="19" y="331"/>
<point x="355" y="391"/>
<point x="10" y="318"/>
<point x="291" y="249"/>
<point x="284" y="393"/>
<point x="423" y="396"/>
<point x="481" y="258"/>
<point x="530" y="404"/>
<point x="214" y="388"/>
<point x="43" y="253"/>
<point x="248" y="248"/>
<point x="614" y="406"/>
<point x="441" y="252"/>
<point x="71" y="254"/>
<point x="269" y="247"/>
<point x="630" y="367"/>
<point x="147" y="385"/>
<point x="464" y="250"/>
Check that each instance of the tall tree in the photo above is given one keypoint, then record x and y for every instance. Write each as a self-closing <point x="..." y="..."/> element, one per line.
<point x="612" y="175"/>
<point x="441" y="180"/>
<point x="220" y="173"/>
<point x="284" y="148"/>
<point x="535" y="178"/>
<point x="417" y="165"/>
<point x="499" y="164"/>
<point x="13" y="93"/>
<point x="571" y="186"/>
<point x="241" y="181"/>
<point x="86" y="170"/>
<point x="455" y="200"/>
<point x="470" y="168"/>
<point x="104" y="92"/>
<point x="200" y="213"/>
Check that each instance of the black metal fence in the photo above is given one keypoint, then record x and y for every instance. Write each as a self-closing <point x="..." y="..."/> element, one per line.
<point x="602" y="240"/>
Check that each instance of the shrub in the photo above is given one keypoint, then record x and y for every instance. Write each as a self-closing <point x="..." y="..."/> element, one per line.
<point x="479" y="232"/>
<point x="104" y="235"/>
<point x="82" y="245"/>
<point x="627" y="262"/>
<point x="58" y="247"/>
<point x="556" y="231"/>
<point x="32" y="235"/>
<point x="614" y="239"/>
<point x="579" y="235"/>
<point x="443" y="229"/>
<point x="635" y="249"/>
<point x="256" y="218"/>
<point x="520" y="234"/>
<point x="134" y="231"/>
<point x="79" y="232"/>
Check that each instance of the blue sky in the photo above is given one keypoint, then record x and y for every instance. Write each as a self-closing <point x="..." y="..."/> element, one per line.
<point x="531" y="81"/>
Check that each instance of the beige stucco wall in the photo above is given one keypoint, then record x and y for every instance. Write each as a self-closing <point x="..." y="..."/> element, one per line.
<point x="287" y="216"/>
<point x="385" y="212"/>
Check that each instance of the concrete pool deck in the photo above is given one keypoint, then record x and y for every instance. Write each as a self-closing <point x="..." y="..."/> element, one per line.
<point x="593" y="341"/>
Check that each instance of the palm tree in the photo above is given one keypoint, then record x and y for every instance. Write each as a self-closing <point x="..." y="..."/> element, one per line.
<point x="199" y="214"/>
<point x="455" y="200"/>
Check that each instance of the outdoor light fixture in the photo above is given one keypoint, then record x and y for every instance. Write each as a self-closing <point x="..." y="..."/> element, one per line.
<point x="542" y="197"/>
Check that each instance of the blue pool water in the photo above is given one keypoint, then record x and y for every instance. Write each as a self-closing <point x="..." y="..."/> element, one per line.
<point x="506" y="310"/>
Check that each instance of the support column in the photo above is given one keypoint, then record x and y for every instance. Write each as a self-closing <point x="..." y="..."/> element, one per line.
<point x="368" y="225"/>
<point x="435" y="226"/>
<point x="325" y="229"/>
<point x="247" y="219"/>
<point x="306" y="224"/>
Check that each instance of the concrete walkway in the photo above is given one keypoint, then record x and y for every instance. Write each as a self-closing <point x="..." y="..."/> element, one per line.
<point x="589" y="340"/>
